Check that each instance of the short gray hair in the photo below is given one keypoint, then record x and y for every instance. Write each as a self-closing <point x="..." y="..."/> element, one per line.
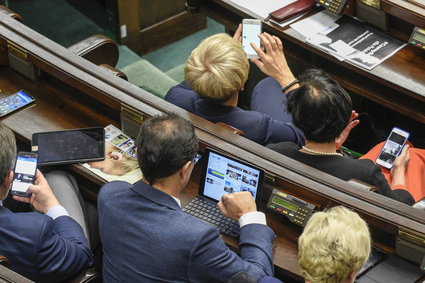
<point x="7" y="151"/>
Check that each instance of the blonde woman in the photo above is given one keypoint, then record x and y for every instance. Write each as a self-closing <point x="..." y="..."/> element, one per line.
<point x="215" y="73"/>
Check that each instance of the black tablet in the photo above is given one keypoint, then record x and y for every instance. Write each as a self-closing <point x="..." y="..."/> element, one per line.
<point x="69" y="146"/>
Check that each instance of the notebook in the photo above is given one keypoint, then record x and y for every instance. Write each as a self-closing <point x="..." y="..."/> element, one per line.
<point x="220" y="175"/>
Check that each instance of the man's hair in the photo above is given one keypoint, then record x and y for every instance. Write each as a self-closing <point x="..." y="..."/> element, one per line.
<point x="334" y="243"/>
<point x="320" y="107"/>
<point x="165" y="143"/>
<point x="7" y="151"/>
<point x="217" y="68"/>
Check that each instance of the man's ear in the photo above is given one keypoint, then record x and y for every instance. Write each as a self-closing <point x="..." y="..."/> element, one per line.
<point x="352" y="275"/>
<point x="6" y="183"/>
<point x="186" y="171"/>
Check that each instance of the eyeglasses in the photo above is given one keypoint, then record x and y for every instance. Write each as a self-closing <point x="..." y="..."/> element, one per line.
<point x="196" y="158"/>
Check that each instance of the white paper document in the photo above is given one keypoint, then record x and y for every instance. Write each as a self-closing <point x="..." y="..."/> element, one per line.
<point x="322" y="21"/>
<point x="264" y="7"/>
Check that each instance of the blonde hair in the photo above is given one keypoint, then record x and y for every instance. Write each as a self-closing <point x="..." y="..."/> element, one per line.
<point x="334" y="243"/>
<point x="217" y="68"/>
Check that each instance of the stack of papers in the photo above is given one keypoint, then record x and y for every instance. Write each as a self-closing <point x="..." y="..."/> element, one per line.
<point x="348" y="39"/>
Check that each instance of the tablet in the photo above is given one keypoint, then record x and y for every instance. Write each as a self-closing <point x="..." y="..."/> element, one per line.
<point x="69" y="146"/>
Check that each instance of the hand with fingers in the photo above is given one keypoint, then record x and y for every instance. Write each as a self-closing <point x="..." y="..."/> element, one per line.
<point x="237" y="204"/>
<point x="238" y="34"/>
<point x="42" y="197"/>
<point x="400" y="165"/>
<point x="272" y="61"/>
<point x="339" y="141"/>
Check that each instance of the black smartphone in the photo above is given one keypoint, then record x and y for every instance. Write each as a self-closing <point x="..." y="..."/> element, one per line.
<point x="24" y="173"/>
<point x="69" y="146"/>
<point x="14" y="102"/>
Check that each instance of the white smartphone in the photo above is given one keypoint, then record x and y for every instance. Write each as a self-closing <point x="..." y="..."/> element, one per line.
<point x="250" y="30"/>
<point x="392" y="147"/>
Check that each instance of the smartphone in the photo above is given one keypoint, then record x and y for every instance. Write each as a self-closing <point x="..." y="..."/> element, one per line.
<point x="69" y="146"/>
<point x="250" y="30"/>
<point x="24" y="173"/>
<point x="392" y="147"/>
<point x="14" y="102"/>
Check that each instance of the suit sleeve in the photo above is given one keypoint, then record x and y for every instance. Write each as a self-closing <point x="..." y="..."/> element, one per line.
<point x="211" y="259"/>
<point x="63" y="249"/>
<point x="275" y="131"/>
<point x="377" y="179"/>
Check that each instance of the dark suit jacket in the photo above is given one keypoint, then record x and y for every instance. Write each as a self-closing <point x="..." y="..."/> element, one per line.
<point x="146" y="237"/>
<point x="258" y="127"/>
<point x="43" y="249"/>
<point x="345" y="168"/>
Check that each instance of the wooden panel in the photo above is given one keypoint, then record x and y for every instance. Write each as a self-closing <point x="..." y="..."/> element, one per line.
<point x="155" y="11"/>
<point x="404" y="10"/>
<point x="170" y="30"/>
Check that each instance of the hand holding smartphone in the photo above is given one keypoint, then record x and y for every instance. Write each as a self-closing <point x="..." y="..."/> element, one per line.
<point x="392" y="147"/>
<point x="24" y="173"/>
<point x="251" y="28"/>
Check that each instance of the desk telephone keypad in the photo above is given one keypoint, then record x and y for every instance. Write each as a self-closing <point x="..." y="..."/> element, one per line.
<point x="208" y="211"/>
<point x="334" y="6"/>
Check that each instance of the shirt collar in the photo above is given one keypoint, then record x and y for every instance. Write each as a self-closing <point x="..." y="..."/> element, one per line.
<point x="177" y="200"/>
<point x="1" y="202"/>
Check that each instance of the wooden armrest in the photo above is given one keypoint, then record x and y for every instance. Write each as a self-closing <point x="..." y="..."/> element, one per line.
<point x="362" y="185"/>
<point x="114" y="71"/>
<point x="7" y="275"/>
<point x="11" y="14"/>
<point x="85" y="276"/>
<point x="98" y="49"/>
<point x="231" y="128"/>
<point x="4" y="261"/>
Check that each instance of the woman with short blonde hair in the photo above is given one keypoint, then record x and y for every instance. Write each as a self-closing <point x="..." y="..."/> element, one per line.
<point x="218" y="68"/>
<point x="215" y="73"/>
<point x="333" y="246"/>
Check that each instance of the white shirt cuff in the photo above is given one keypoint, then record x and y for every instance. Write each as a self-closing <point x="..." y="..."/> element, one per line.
<point x="57" y="211"/>
<point x="255" y="217"/>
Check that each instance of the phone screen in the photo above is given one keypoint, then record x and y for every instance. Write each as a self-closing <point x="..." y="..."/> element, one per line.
<point x="392" y="148"/>
<point x="14" y="102"/>
<point x="23" y="177"/>
<point x="250" y="34"/>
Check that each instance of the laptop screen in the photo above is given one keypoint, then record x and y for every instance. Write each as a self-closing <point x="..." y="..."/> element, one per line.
<point x="222" y="174"/>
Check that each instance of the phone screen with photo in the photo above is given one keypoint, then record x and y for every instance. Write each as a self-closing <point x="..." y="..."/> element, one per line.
<point x="392" y="148"/>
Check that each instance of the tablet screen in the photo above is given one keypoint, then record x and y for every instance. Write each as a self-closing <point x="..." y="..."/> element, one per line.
<point x="223" y="174"/>
<point x="71" y="146"/>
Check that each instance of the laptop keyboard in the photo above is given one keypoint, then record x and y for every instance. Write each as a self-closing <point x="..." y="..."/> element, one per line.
<point x="209" y="212"/>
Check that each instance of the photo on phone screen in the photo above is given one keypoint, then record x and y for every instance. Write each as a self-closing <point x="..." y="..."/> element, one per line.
<point x="392" y="148"/>
<point x="14" y="102"/>
<point x="24" y="174"/>
<point x="250" y="31"/>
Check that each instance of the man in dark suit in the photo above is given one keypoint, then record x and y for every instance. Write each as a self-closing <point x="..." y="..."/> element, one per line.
<point x="145" y="235"/>
<point x="46" y="246"/>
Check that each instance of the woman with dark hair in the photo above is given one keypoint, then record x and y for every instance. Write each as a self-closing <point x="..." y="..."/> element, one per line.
<point x="322" y="109"/>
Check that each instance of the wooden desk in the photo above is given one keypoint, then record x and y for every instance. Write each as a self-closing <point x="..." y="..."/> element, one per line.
<point x="398" y="83"/>
<point x="76" y="93"/>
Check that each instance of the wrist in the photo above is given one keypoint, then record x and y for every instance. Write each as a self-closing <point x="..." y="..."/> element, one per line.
<point x="290" y="86"/>
<point x="50" y="205"/>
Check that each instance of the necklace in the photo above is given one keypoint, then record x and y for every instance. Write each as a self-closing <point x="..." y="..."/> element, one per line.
<point x="320" y="152"/>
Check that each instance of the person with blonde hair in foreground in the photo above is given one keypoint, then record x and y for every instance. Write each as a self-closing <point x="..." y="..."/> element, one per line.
<point x="333" y="246"/>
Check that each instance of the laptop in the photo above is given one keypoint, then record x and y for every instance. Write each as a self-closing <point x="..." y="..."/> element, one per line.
<point x="220" y="175"/>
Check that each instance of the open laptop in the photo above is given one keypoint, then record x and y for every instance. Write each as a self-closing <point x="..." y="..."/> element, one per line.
<point x="220" y="175"/>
